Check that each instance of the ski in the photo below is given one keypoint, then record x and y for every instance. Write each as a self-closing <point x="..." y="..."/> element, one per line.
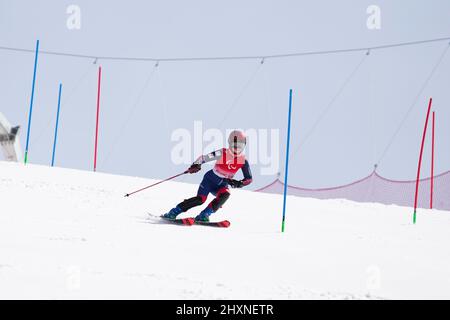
<point x="218" y="224"/>
<point x="191" y="221"/>
<point x="182" y="221"/>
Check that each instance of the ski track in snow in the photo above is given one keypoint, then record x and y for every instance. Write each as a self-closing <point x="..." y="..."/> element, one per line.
<point x="69" y="234"/>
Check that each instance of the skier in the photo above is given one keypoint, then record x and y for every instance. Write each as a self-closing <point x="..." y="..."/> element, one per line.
<point x="217" y="180"/>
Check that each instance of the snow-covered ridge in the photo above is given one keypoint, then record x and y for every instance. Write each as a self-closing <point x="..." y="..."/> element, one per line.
<point x="72" y="234"/>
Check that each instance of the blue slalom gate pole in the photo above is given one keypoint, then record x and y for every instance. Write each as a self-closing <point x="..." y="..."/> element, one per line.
<point x="31" y="100"/>
<point x="287" y="160"/>
<point x="56" y="127"/>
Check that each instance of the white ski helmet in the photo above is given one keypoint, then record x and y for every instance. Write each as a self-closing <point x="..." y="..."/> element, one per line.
<point x="237" y="141"/>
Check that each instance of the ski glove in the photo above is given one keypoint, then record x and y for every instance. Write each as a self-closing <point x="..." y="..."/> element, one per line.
<point x="235" y="183"/>
<point x="194" y="168"/>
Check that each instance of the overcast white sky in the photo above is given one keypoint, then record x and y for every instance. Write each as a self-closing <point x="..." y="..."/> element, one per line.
<point x="135" y="138"/>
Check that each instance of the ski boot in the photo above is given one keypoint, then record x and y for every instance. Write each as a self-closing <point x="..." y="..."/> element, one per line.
<point x="173" y="213"/>
<point x="204" y="215"/>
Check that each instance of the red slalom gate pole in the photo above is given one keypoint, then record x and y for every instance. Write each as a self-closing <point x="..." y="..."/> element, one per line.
<point x="420" y="161"/>
<point x="152" y="185"/>
<point x="432" y="163"/>
<point x="98" y="112"/>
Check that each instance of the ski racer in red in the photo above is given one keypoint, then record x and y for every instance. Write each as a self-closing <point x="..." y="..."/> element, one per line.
<point x="216" y="181"/>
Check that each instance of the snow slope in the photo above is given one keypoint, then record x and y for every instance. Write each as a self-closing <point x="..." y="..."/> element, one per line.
<point x="68" y="234"/>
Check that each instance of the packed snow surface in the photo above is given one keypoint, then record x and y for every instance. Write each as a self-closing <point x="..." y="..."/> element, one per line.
<point x="70" y="234"/>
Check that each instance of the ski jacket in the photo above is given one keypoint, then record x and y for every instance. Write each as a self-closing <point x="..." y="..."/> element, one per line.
<point x="227" y="164"/>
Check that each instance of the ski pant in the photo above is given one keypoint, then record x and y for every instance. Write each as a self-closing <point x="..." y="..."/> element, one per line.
<point x="213" y="184"/>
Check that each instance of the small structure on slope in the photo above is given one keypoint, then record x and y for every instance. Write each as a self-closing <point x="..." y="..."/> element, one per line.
<point x="9" y="140"/>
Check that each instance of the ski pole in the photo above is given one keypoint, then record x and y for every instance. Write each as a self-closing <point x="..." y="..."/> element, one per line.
<point x="152" y="185"/>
